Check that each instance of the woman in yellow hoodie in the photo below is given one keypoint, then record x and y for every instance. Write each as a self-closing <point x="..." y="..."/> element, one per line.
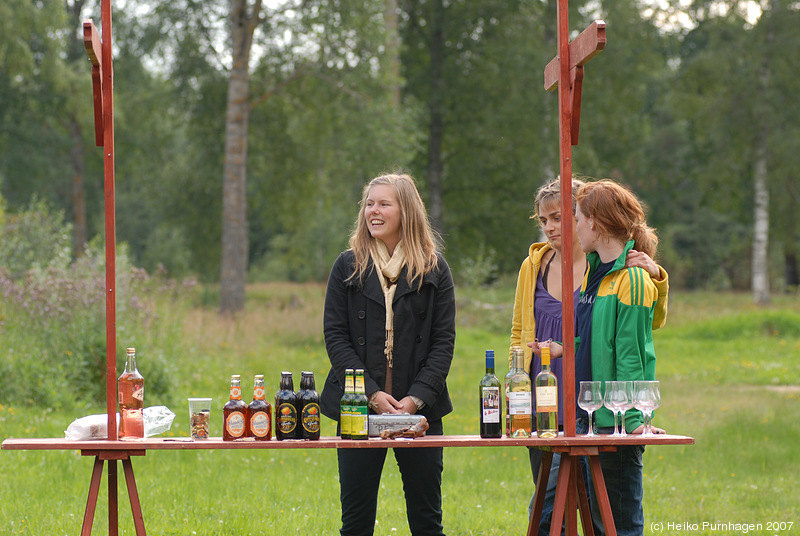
<point x="537" y="306"/>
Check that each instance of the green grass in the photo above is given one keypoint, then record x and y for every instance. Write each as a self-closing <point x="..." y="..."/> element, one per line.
<point x="729" y="374"/>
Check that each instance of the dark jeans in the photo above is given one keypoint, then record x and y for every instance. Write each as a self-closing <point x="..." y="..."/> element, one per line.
<point x="421" y="470"/>
<point x="622" y="472"/>
<point x="535" y="455"/>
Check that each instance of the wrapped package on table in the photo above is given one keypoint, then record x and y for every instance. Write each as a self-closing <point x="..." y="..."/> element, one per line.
<point x="390" y="425"/>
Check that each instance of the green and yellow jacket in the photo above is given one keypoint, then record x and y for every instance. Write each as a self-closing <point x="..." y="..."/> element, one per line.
<point x="622" y="330"/>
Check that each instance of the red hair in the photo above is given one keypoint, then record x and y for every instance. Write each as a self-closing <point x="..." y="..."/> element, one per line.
<point x="617" y="213"/>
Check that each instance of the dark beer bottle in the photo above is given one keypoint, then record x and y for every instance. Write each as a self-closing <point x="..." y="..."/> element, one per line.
<point x="308" y="407"/>
<point x="286" y="409"/>
<point x="259" y="413"/>
<point x="234" y="413"/>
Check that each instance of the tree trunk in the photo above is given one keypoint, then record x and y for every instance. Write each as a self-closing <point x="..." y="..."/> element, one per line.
<point x="760" y="282"/>
<point x="392" y="55"/>
<point x="235" y="243"/>
<point x="436" y="113"/>
<point x="760" y="267"/>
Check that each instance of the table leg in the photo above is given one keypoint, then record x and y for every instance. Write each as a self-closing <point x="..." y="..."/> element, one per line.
<point x="133" y="494"/>
<point x="91" y="502"/>
<point x="602" y="496"/>
<point x="113" y="503"/>
<point x="562" y="489"/>
<point x="538" y="496"/>
<point x="583" y="506"/>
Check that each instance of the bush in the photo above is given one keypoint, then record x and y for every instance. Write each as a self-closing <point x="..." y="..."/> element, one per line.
<point x="53" y="315"/>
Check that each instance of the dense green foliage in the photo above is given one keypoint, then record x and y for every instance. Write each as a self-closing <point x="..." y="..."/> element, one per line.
<point x="675" y="106"/>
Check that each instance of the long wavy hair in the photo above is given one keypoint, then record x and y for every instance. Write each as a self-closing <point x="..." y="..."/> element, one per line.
<point x="618" y="214"/>
<point x="420" y="242"/>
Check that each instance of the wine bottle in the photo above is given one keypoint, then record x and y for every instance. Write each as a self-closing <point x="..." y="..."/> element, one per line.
<point x="507" y="385"/>
<point x="519" y="399"/>
<point x="546" y="399"/>
<point x="490" y="401"/>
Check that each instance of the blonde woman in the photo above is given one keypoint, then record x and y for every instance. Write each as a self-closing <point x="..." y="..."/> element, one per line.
<point x="390" y="310"/>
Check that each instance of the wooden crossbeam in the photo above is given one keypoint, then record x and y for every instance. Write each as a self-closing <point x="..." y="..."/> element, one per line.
<point x="93" y="46"/>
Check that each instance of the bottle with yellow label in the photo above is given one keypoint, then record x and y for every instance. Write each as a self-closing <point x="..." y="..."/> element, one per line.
<point x="546" y="398"/>
<point x="286" y="409"/>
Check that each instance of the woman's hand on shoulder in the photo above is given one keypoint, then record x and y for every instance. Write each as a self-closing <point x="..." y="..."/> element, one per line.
<point x="643" y="260"/>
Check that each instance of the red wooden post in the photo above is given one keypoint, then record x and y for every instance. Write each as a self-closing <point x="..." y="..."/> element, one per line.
<point x="565" y="71"/>
<point x="100" y="54"/>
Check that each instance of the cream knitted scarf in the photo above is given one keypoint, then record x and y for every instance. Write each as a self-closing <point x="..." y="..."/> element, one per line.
<point x="388" y="269"/>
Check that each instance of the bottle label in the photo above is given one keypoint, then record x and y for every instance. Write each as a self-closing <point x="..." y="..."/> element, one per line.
<point x="519" y="403"/>
<point x="310" y="418"/>
<point x="359" y="384"/>
<point x="138" y="392"/>
<point x="359" y="421"/>
<point x="490" y="404"/>
<point x="546" y="398"/>
<point x="236" y="393"/>
<point x="344" y="419"/>
<point x="260" y="424"/>
<point x="258" y="393"/>
<point x="287" y="418"/>
<point x="234" y="423"/>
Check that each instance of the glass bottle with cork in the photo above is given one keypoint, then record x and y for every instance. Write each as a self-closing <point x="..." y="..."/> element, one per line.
<point x="130" y="387"/>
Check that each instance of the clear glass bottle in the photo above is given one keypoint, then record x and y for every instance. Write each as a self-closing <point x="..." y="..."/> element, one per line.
<point x="490" y="410"/>
<point x="259" y="413"/>
<point x="345" y="410"/>
<point x="519" y="398"/>
<point x="286" y="409"/>
<point x="308" y="407"/>
<point x="359" y="418"/>
<point x="546" y="398"/>
<point x="234" y="418"/>
<point x="130" y="387"/>
<point x="507" y="385"/>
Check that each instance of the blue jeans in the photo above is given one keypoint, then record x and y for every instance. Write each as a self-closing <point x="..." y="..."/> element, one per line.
<point x="421" y="470"/>
<point x="622" y="472"/>
<point x="535" y="455"/>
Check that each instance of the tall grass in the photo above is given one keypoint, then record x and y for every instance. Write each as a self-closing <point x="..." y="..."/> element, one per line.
<point x="729" y="374"/>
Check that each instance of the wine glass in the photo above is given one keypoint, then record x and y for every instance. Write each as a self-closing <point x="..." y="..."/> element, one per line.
<point x="626" y="401"/>
<point x="590" y="399"/>
<point x="646" y="399"/>
<point x="611" y="401"/>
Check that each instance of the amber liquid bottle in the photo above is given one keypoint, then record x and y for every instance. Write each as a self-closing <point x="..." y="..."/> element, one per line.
<point x="286" y="409"/>
<point x="131" y="399"/>
<point x="308" y="407"/>
<point x="234" y="413"/>
<point x="259" y="413"/>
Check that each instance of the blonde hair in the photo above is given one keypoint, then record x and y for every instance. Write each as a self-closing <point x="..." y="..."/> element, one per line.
<point x="551" y="193"/>
<point x="420" y="242"/>
<point x="617" y="213"/>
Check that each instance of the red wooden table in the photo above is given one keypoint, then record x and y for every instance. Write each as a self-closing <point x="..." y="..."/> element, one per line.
<point x="570" y="491"/>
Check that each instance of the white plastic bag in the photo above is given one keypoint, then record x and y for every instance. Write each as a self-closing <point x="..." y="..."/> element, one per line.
<point x="89" y="427"/>
<point x="157" y="420"/>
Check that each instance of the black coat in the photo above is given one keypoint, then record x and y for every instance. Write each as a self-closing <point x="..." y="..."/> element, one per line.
<point x="424" y="336"/>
